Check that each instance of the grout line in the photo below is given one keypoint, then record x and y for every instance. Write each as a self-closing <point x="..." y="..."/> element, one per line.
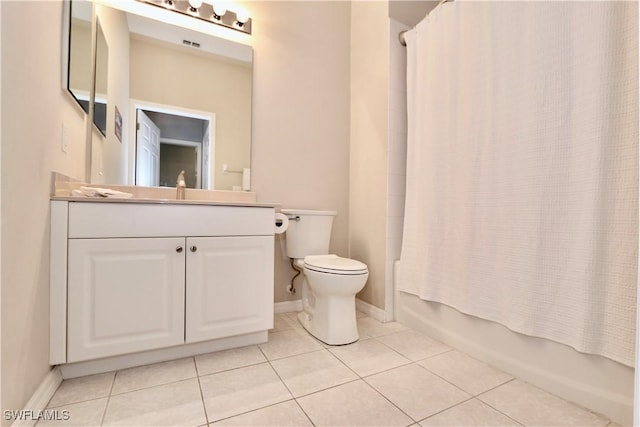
<point x="106" y="405"/>
<point x="204" y="406"/>
<point x="447" y="408"/>
<point x="154" y="385"/>
<point x="295" y="399"/>
<point x="389" y="400"/>
<point x="493" y="407"/>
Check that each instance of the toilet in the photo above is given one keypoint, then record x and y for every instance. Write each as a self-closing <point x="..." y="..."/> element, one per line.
<point x="330" y="282"/>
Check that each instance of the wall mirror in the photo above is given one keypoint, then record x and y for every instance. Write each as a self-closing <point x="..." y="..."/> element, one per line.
<point x="177" y="99"/>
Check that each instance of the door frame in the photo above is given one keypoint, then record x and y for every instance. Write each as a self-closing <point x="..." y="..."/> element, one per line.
<point x="136" y="104"/>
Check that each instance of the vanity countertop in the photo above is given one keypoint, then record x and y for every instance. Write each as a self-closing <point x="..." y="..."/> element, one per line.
<point x="165" y="201"/>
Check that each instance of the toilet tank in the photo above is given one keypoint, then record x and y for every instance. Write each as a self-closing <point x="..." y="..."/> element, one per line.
<point x="309" y="232"/>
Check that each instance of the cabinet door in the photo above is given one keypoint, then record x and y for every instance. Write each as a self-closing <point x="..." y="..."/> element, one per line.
<point x="229" y="286"/>
<point x="125" y="295"/>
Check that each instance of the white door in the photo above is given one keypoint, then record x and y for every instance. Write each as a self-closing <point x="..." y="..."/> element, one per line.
<point x="229" y="289"/>
<point x="147" y="151"/>
<point x="207" y="177"/>
<point x="125" y="295"/>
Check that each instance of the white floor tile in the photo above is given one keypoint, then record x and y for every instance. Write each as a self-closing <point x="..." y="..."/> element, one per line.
<point x="470" y="413"/>
<point x="175" y="404"/>
<point x="413" y="345"/>
<point x="82" y="388"/>
<point x="469" y="374"/>
<point x="352" y="404"/>
<point x="219" y="361"/>
<point x="285" y="414"/>
<point x="311" y="372"/>
<point x="533" y="407"/>
<point x="408" y="377"/>
<point x="83" y="414"/>
<point x="152" y="375"/>
<point x="281" y="322"/>
<point x="289" y="343"/>
<point x="241" y="390"/>
<point x="369" y="357"/>
<point x="416" y="391"/>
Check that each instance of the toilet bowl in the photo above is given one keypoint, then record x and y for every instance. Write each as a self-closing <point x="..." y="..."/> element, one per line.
<point x="330" y="282"/>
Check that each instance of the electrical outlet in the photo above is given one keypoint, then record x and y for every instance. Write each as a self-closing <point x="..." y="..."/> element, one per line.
<point x="64" y="139"/>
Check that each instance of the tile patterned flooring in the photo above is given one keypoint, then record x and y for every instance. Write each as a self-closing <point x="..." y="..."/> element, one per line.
<point x="393" y="376"/>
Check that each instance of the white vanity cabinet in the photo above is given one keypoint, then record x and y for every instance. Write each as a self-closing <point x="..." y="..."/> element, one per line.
<point x="226" y="289"/>
<point x="124" y="295"/>
<point x="133" y="277"/>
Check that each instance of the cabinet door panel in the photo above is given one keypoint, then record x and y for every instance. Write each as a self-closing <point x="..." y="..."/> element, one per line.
<point x="229" y="286"/>
<point x="125" y="295"/>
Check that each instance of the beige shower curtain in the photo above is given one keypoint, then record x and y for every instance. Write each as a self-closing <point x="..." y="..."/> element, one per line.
<point x="522" y="170"/>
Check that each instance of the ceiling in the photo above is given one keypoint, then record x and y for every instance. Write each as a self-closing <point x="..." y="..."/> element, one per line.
<point x="410" y="12"/>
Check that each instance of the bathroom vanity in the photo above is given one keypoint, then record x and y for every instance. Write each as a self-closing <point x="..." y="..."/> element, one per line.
<point x="136" y="281"/>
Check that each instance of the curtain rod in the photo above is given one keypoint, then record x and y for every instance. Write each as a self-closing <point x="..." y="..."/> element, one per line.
<point x="401" y="35"/>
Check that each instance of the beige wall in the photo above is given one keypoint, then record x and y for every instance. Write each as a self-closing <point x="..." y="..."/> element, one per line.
<point x="110" y="155"/>
<point x="369" y="143"/>
<point x="34" y="107"/>
<point x="300" y="154"/>
<point x="80" y="53"/>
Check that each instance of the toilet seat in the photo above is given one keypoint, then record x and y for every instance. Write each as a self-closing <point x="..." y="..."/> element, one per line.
<point x="333" y="264"/>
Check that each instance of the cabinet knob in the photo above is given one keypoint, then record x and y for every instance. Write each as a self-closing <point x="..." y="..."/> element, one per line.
<point x="193" y="248"/>
<point x="179" y="249"/>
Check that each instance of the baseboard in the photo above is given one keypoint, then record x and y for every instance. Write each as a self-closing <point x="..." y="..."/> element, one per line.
<point x="40" y="399"/>
<point x="368" y="309"/>
<point x="287" y="306"/>
<point x="97" y="366"/>
<point x="372" y="311"/>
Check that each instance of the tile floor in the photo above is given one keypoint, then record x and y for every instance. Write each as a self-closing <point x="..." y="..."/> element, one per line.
<point x="393" y="376"/>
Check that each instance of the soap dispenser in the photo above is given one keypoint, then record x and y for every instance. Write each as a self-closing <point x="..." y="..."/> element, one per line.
<point x="180" y="187"/>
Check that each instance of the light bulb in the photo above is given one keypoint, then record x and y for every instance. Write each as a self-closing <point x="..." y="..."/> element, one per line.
<point x="195" y="4"/>
<point x="242" y="16"/>
<point x="219" y="10"/>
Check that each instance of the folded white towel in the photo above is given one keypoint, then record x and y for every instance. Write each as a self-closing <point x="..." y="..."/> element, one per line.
<point x="100" y="192"/>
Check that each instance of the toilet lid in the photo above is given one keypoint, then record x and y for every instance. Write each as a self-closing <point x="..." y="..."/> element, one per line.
<point x="334" y="264"/>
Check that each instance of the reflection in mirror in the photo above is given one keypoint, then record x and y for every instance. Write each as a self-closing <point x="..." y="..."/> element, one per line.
<point x="79" y="59"/>
<point x="101" y="82"/>
<point x="173" y="71"/>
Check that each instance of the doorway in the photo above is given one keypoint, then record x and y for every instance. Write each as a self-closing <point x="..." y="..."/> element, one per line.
<point x="170" y="140"/>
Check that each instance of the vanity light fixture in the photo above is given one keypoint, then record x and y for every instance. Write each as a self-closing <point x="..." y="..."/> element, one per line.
<point x="242" y="16"/>
<point x="194" y="5"/>
<point x="218" y="11"/>
<point x="217" y="14"/>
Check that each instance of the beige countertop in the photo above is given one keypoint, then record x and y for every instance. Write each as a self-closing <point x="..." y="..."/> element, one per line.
<point x="165" y="201"/>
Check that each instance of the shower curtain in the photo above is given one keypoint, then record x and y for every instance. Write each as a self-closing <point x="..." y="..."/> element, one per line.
<point x="522" y="168"/>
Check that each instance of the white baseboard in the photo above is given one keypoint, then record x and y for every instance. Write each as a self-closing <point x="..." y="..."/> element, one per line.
<point x="97" y="366"/>
<point x="368" y="309"/>
<point x="40" y="399"/>
<point x="372" y="311"/>
<point x="287" y="306"/>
